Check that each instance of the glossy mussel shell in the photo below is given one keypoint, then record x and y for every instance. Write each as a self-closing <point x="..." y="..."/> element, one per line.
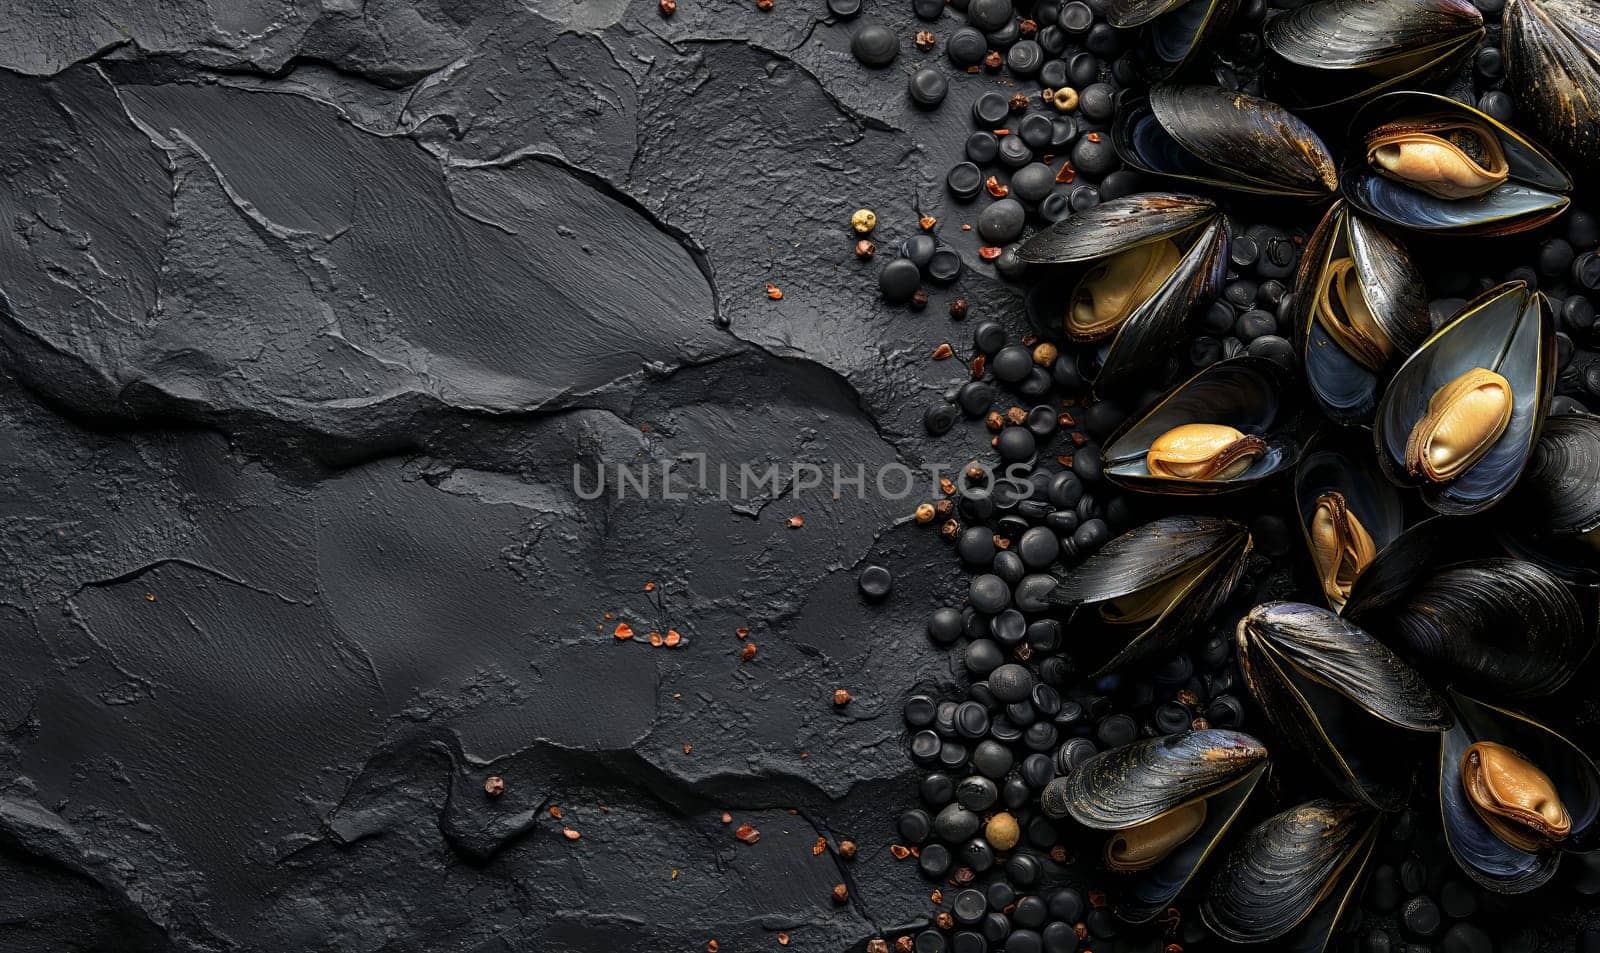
<point x="1342" y="471"/>
<point x="1482" y="854"/>
<point x="1552" y="50"/>
<point x="1506" y="627"/>
<point x="1166" y="577"/>
<point x="1535" y="191"/>
<point x="1162" y="778"/>
<point x="1248" y="394"/>
<point x="1290" y="879"/>
<point x="1351" y="704"/>
<point x="1507" y="331"/>
<point x="1336" y="51"/>
<point x="1174" y="30"/>
<point x="1351" y="266"/>
<point x="1553" y="515"/>
<point x="1224" y="139"/>
<point x="1067" y="252"/>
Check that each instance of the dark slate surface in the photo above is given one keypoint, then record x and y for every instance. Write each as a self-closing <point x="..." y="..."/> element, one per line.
<point x="307" y="311"/>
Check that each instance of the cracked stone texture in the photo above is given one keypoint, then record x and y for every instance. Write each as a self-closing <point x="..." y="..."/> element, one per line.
<point x="307" y="309"/>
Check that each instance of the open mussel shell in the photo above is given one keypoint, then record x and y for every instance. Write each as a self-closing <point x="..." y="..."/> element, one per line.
<point x="1500" y="625"/>
<point x="1336" y="51"/>
<point x="1225" y="139"/>
<point x="1290" y="879"/>
<point x="1150" y="586"/>
<point x="1160" y="778"/>
<point x="1174" y="29"/>
<point x="1360" y="309"/>
<point x="1342" y="697"/>
<point x="1534" y="191"/>
<point x="1507" y="331"/>
<point x="1348" y="514"/>
<point x="1069" y="255"/>
<point x="1249" y="395"/>
<point x="1483" y="854"/>
<point x="1552" y="50"/>
<point x="1553" y="515"/>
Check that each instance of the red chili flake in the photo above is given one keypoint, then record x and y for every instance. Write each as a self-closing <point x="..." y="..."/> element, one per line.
<point x="673" y="638"/>
<point x="795" y="522"/>
<point x="899" y="851"/>
<point x="925" y="40"/>
<point x="555" y="811"/>
<point x="742" y="633"/>
<point x="865" y="249"/>
<point x="1066" y="419"/>
<point x="993" y="60"/>
<point x="747" y="833"/>
<point x="990" y="252"/>
<point x="927" y="222"/>
<point x="687" y="747"/>
<point x="841" y="697"/>
<point x="944" y="920"/>
<point x="649" y="587"/>
<point x="1001" y="132"/>
<point x="993" y="420"/>
<point x="624" y="631"/>
<point x="877" y="945"/>
<point x="1081" y="929"/>
<point x="847" y="849"/>
<point x="937" y="896"/>
<point x="570" y="834"/>
<point x="904" y="944"/>
<point x="774" y="293"/>
<point x="1094" y="137"/>
<point x="841" y="893"/>
<point x="748" y="652"/>
<point x="655" y="640"/>
<point x="947" y="486"/>
<point x="978" y="365"/>
<point x="1066" y="173"/>
<point x="943" y="352"/>
<point x="997" y="188"/>
<point x="711" y="945"/>
<point x="727" y="818"/>
<point x="783" y="939"/>
<point x="966" y="227"/>
<point x="1028" y="27"/>
<point x="669" y="7"/>
<point x="494" y="785"/>
<point x="1065" y="460"/>
<point x="819" y="847"/>
<point x="1079" y="438"/>
<point x="1097" y="898"/>
<point x="1000" y="542"/>
<point x="763" y="5"/>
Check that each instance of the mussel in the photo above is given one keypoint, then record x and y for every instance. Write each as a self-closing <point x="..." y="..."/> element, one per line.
<point x="1552" y="50"/>
<point x="1499" y="624"/>
<point x="1166" y="802"/>
<point x="1230" y="426"/>
<point x="1351" y="704"/>
<point x="1292" y="877"/>
<point x="1553" y="515"/>
<point x="1513" y="796"/>
<point x="1174" y="29"/>
<point x="1124" y="276"/>
<point x="1336" y="51"/>
<point x="1429" y="163"/>
<point x="1348" y="514"/>
<point x="1226" y="139"/>
<point x="1461" y="416"/>
<point x="1147" y="588"/>
<point x="1360" y="307"/>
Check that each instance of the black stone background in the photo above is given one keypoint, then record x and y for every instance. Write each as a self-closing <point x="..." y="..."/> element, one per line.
<point x="308" y="308"/>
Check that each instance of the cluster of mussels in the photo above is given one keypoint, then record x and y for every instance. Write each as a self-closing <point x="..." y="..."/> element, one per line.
<point x="1363" y="526"/>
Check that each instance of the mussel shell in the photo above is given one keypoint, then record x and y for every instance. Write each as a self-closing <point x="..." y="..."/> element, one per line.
<point x="1335" y="51"/>
<point x="1328" y="466"/>
<point x="1402" y="565"/>
<point x="1139" y="782"/>
<point x="1536" y="191"/>
<point x="1487" y="859"/>
<point x="1149" y="554"/>
<point x="1292" y="876"/>
<point x="1175" y="29"/>
<point x="1340" y="695"/>
<point x="1552" y="50"/>
<point x="1345" y="389"/>
<point x="1226" y="139"/>
<point x="1503" y="626"/>
<point x="1509" y="330"/>
<point x="1249" y="394"/>
<point x="1141" y="343"/>
<point x="1557" y="500"/>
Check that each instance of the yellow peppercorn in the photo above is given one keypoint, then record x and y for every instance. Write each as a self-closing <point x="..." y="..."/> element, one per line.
<point x="864" y="220"/>
<point x="1065" y="99"/>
